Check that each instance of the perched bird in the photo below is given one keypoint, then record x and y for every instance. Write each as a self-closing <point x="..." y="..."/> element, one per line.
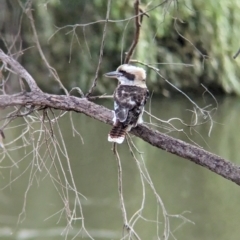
<point x="129" y="99"/>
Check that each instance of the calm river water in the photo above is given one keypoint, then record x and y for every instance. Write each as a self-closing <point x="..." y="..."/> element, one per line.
<point x="208" y="200"/>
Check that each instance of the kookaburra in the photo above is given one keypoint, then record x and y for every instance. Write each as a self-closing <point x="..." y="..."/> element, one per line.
<point x="129" y="99"/>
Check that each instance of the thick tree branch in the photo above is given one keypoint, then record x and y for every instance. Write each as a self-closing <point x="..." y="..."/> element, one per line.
<point x="197" y="155"/>
<point x="36" y="98"/>
<point x="20" y="71"/>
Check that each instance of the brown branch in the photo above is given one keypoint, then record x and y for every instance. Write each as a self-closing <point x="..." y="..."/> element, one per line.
<point x="197" y="155"/>
<point x="20" y="71"/>
<point x="236" y="54"/>
<point x="101" y="51"/>
<point x="36" y="98"/>
<point x="52" y="70"/>
<point x="138" y="22"/>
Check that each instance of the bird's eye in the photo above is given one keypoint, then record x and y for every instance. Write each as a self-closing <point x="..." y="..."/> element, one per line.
<point x="129" y="76"/>
<point x="122" y="71"/>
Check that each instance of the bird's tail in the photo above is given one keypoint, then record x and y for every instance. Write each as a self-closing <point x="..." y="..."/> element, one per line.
<point x="118" y="133"/>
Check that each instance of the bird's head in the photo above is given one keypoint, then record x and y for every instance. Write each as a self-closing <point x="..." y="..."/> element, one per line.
<point x="129" y="75"/>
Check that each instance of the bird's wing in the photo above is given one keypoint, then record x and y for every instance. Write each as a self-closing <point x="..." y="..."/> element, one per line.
<point x="129" y="102"/>
<point x="124" y="102"/>
<point x="121" y="110"/>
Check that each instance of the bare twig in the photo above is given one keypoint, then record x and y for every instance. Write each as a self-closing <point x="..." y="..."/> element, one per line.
<point x="138" y="21"/>
<point x="83" y="25"/>
<point x="104" y="96"/>
<point x="236" y="54"/>
<point x="79" y="90"/>
<point x="187" y="40"/>
<point x="204" y="112"/>
<point x="20" y="71"/>
<point x="101" y="51"/>
<point x="69" y="103"/>
<point x="50" y="68"/>
<point x="126" y="225"/>
<point x="120" y="184"/>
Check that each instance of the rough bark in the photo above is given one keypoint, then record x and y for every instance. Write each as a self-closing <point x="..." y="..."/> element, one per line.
<point x="37" y="98"/>
<point x="187" y="151"/>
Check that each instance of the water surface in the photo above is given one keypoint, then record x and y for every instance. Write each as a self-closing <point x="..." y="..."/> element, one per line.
<point x="208" y="200"/>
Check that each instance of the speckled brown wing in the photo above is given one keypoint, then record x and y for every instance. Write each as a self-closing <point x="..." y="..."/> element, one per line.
<point x="129" y="103"/>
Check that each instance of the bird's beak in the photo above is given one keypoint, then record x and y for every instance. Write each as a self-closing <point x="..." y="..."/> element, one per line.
<point x="113" y="74"/>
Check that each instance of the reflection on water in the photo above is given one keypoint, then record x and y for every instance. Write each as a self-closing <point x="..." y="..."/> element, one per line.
<point x="206" y="199"/>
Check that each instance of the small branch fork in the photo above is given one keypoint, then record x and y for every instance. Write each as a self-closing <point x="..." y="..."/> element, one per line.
<point x="36" y="98"/>
<point x="101" y="51"/>
<point x="52" y="71"/>
<point x="126" y="225"/>
<point x="138" y="23"/>
<point x="20" y="71"/>
<point x="195" y="154"/>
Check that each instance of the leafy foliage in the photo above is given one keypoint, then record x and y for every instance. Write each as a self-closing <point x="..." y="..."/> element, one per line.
<point x="191" y="42"/>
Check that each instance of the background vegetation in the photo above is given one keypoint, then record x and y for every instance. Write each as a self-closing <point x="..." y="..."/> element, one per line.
<point x="191" y="42"/>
